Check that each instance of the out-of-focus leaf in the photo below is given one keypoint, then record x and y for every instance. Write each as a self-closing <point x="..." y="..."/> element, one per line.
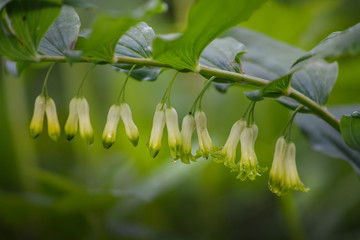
<point x="334" y="46"/>
<point x="271" y="59"/>
<point x="207" y="20"/>
<point x="62" y="35"/>
<point x="22" y="26"/>
<point x="3" y="3"/>
<point x="224" y="54"/>
<point x="350" y="130"/>
<point x="80" y="4"/>
<point x="326" y="139"/>
<point x="107" y="30"/>
<point x="137" y="43"/>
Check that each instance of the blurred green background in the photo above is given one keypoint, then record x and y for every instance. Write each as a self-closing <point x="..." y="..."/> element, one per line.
<point x="68" y="190"/>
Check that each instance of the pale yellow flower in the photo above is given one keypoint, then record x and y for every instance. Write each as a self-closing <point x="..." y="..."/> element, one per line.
<point x="174" y="135"/>
<point x="283" y="174"/>
<point x="130" y="128"/>
<point x="228" y="152"/>
<point x="109" y="133"/>
<point x="37" y="121"/>
<point x="206" y="146"/>
<point x="157" y="130"/>
<point x="71" y="125"/>
<point x="52" y="119"/>
<point x="86" y="130"/>
<point x="188" y="126"/>
<point x="249" y="166"/>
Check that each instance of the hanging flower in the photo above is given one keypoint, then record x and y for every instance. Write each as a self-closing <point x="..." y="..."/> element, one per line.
<point x="206" y="146"/>
<point x="71" y="125"/>
<point x="228" y="152"/>
<point x="283" y="174"/>
<point x="85" y="127"/>
<point x="37" y="121"/>
<point x="109" y="133"/>
<point x="249" y="167"/>
<point x="52" y="119"/>
<point x="174" y="135"/>
<point x="188" y="126"/>
<point x="130" y="128"/>
<point x="157" y="130"/>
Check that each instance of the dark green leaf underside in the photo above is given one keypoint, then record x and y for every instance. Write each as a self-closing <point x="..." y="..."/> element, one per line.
<point x="350" y="130"/>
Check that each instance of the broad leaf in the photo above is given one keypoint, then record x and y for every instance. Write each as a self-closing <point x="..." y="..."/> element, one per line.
<point x="137" y="43"/>
<point x="207" y="20"/>
<point x="108" y="29"/>
<point x="62" y="35"/>
<point x="326" y="139"/>
<point x="350" y="130"/>
<point x="271" y="59"/>
<point x="334" y="46"/>
<point x="224" y="54"/>
<point x="22" y="26"/>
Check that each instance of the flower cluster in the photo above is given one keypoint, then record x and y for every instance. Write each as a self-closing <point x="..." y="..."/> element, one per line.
<point x="45" y="105"/>
<point x="283" y="174"/>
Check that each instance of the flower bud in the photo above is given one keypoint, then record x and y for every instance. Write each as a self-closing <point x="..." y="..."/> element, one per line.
<point x="157" y="130"/>
<point x="37" y="121"/>
<point x="206" y="146"/>
<point x="71" y="125"/>
<point x="130" y="128"/>
<point x="229" y="150"/>
<point x="174" y="135"/>
<point x="249" y="167"/>
<point x="109" y="133"/>
<point x="188" y="126"/>
<point x="283" y="174"/>
<point x="85" y="127"/>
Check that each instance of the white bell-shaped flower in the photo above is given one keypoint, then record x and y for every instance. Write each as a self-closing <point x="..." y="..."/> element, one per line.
<point x="37" y="121"/>
<point x="187" y="129"/>
<point x="71" y="125"/>
<point x="206" y="146"/>
<point x="130" y="128"/>
<point x="52" y="119"/>
<point x="86" y="130"/>
<point x="157" y="130"/>
<point x="174" y="135"/>
<point x="109" y="133"/>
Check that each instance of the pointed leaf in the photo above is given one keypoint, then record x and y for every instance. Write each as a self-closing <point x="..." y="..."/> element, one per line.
<point x="334" y="46"/>
<point x="62" y="35"/>
<point x="22" y="26"/>
<point x="207" y="20"/>
<point x="350" y="130"/>
<point x="137" y="43"/>
<point x="108" y="29"/>
<point x="326" y="139"/>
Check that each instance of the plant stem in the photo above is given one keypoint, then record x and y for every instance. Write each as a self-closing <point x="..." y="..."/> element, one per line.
<point x="239" y="78"/>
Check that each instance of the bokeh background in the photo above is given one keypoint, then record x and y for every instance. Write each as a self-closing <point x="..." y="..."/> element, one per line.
<point x="68" y="190"/>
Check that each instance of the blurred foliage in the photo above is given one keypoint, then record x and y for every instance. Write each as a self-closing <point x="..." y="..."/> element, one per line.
<point x="67" y="190"/>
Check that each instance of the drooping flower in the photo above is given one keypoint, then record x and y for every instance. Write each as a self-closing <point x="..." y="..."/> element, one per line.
<point x="188" y="126"/>
<point x="86" y="130"/>
<point x="71" y="125"/>
<point x="206" y="146"/>
<point x="37" y="121"/>
<point x="130" y="128"/>
<point x="228" y="152"/>
<point x="249" y="166"/>
<point x="157" y="130"/>
<point x="109" y="133"/>
<point x="52" y="119"/>
<point x="174" y="135"/>
<point x="283" y="174"/>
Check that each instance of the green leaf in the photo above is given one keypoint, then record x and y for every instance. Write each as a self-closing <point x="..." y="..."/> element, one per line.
<point x="107" y="30"/>
<point x="207" y="20"/>
<point x="271" y="59"/>
<point x="326" y="139"/>
<point x="62" y="35"/>
<point x="350" y="130"/>
<point x="22" y="26"/>
<point x="334" y="46"/>
<point x="137" y="43"/>
<point x="224" y="54"/>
